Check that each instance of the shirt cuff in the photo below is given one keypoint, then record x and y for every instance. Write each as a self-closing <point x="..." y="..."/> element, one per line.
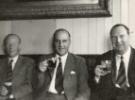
<point x="97" y="79"/>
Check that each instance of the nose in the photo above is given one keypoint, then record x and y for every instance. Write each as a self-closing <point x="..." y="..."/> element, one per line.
<point x="60" y="43"/>
<point x="118" y="40"/>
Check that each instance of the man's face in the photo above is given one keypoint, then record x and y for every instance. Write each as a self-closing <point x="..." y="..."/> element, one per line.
<point x="120" y="39"/>
<point x="12" y="46"/>
<point x="61" y="43"/>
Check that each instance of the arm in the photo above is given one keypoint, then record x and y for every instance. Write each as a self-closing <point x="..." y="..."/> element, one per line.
<point x="41" y="76"/>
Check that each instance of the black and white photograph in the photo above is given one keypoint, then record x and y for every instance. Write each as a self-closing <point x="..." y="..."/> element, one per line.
<point x="67" y="50"/>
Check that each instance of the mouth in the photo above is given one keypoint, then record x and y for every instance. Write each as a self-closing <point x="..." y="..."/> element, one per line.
<point x="119" y="45"/>
<point x="61" y="48"/>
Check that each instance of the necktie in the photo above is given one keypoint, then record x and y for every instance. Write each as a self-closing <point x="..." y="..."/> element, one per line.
<point x="121" y="79"/>
<point x="59" y="78"/>
<point x="8" y="82"/>
<point x="9" y="71"/>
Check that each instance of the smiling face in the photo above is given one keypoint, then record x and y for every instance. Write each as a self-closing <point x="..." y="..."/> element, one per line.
<point x="61" y="42"/>
<point x="120" y="39"/>
<point x="12" y="46"/>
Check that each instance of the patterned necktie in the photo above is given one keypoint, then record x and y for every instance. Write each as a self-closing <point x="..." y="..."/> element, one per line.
<point x="121" y="79"/>
<point x="9" y="71"/>
<point x="59" y="78"/>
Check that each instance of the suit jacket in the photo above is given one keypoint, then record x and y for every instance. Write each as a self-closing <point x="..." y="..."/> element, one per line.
<point x="75" y="85"/>
<point x="106" y="89"/>
<point x="21" y="79"/>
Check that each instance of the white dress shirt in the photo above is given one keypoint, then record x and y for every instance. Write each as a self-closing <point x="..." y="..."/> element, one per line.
<point x="63" y="61"/>
<point x="14" y="61"/>
<point x="126" y="57"/>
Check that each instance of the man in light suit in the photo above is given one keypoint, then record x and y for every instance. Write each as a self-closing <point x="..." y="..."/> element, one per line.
<point x="63" y="75"/>
<point x="115" y="70"/>
<point x="15" y="71"/>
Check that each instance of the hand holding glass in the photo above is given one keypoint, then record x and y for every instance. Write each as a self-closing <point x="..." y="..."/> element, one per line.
<point x="47" y="64"/>
<point x="106" y="65"/>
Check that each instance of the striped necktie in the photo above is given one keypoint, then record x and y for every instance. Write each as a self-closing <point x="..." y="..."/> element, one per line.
<point x="121" y="79"/>
<point x="9" y="71"/>
<point x="59" y="78"/>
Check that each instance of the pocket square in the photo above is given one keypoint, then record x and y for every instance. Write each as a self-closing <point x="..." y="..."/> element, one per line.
<point x="72" y="72"/>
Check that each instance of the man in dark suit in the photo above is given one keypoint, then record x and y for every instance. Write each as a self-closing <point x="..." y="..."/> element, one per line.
<point x="115" y="70"/>
<point x="63" y="75"/>
<point x="15" y="71"/>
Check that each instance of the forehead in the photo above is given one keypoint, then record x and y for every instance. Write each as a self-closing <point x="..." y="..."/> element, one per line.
<point x="120" y="30"/>
<point x="12" y="38"/>
<point x="61" y="35"/>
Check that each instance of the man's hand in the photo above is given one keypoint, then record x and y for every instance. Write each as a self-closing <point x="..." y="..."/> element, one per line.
<point x="43" y="66"/>
<point x="11" y="97"/>
<point x="99" y="71"/>
<point x="3" y="91"/>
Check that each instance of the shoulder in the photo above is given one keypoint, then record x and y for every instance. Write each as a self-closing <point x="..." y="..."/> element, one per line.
<point x="3" y="61"/>
<point x="76" y="57"/>
<point x="26" y="59"/>
<point x="110" y="52"/>
<point x="107" y="55"/>
<point x="44" y="57"/>
<point x="133" y="50"/>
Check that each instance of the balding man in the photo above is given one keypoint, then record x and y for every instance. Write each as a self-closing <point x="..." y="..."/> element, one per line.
<point x="15" y="71"/>
<point x="115" y="70"/>
<point x="63" y="75"/>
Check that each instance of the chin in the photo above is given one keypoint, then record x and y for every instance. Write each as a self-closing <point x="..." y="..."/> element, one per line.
<point x="120" y="51"/>
<point x="61" y="54"/>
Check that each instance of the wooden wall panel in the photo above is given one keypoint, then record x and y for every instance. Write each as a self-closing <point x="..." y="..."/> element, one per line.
<point x="89" y="35"/>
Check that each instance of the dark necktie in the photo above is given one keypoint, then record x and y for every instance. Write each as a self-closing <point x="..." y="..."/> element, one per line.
<point x="9" y="71"/>
<point x="121" y="79"/>
<point x="9" y="78"/>
<point x="59" y="78"/>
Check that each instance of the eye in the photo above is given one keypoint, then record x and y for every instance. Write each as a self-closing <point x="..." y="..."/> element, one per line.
<point x="121" y="36"/>
<point x="64" y="40"/>
<point x="113" y="38"/>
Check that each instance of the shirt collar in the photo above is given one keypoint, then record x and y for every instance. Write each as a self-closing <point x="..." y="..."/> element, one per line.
<point x="14" y="58"/>
<point x="64" y="57"/>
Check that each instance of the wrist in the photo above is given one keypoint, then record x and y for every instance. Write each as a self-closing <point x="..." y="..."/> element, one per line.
<point x="11" y="96"/>
<point x="97" y="78"/>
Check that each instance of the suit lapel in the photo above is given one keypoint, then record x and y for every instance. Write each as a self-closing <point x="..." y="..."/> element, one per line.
<point x="69" y="66"/>
<point x="130" y="65"/>
<point x="131" y="59"/>
<point x="114" y="69"/>
<point x="3" y="70"/>
<point x="70" y="79"/>
<point x="113" y="66"/>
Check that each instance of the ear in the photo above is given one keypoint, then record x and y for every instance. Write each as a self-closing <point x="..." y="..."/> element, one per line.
<point x="19" y="48"/>
<point x="3" y="48"/>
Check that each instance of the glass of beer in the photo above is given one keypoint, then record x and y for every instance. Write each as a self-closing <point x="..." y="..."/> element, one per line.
<point x="107" y="65"/>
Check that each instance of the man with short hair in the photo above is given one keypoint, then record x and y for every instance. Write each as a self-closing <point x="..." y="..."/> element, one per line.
<point x="115" y="70"/>
<point x="15" y="71"/>
<point x="63" y="75"/>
